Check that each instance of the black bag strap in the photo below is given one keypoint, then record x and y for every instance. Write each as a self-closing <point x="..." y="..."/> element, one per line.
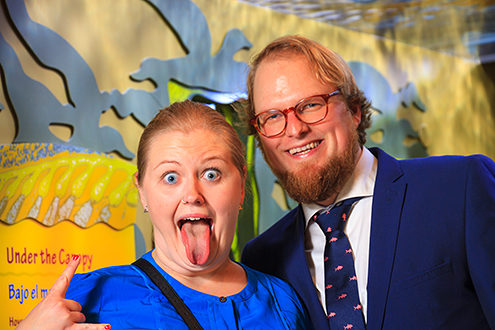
<point x="168" y="292"/>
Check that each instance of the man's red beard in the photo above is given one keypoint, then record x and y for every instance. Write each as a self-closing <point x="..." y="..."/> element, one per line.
<point x="312" y="183"/>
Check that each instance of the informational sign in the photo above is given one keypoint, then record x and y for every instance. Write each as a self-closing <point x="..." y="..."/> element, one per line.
<point x="32" y="256"/>
<point x="57" y="201"/>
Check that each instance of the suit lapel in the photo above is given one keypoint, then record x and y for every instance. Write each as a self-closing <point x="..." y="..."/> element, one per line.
<point x="388" y="199"/>
<point x="297" y="271"/>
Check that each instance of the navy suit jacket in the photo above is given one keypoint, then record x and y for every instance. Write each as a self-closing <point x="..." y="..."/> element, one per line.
<point x="432" y="246"/>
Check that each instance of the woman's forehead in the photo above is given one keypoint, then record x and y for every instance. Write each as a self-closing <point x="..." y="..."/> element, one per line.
<point x="196" y="143"/>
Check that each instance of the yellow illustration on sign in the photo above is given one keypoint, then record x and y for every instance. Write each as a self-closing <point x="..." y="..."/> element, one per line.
<point x="53" y="183"/>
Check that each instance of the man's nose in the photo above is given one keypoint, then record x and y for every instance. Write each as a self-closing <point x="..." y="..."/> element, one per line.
<point x="295" y="127"/>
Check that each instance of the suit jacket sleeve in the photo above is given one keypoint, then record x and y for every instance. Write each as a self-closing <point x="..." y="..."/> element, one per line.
<point x="480" y="232"/>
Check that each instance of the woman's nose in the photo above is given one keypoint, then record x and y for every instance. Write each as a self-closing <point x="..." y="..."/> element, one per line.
<point x="192" y="194"/>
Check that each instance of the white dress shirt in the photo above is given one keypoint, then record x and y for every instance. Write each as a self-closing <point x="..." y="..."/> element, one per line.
<point x="357" y="228"/>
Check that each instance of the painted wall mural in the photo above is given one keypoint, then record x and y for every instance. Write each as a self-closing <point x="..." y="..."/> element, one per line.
<point x="219" y="72"/>
<point x="73" y="101"/>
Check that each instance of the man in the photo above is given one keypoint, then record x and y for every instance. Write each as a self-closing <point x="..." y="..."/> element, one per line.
<point x="422" y="231"/>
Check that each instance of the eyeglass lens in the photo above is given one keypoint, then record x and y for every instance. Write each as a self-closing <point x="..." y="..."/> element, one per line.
<point x="309" y="111"/>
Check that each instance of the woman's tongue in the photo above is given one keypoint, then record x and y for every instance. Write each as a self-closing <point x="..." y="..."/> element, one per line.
<point x="196" y="239"/>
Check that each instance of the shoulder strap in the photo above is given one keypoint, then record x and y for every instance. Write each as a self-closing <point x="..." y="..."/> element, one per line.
<point x="168" y="292"/>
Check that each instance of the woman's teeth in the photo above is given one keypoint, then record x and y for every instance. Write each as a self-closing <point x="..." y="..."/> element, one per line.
<point x="304" y="149"/>
<point x="192" y="219"/>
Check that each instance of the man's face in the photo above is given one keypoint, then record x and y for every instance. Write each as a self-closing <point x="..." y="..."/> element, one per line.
<point x="313" y="161"/>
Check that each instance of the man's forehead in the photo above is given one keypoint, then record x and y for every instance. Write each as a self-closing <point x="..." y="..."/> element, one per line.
<point x="284" y="80"/>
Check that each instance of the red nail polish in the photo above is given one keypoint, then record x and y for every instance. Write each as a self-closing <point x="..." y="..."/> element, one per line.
<point x="75" y="257"/>
<point x="108" y="326"/>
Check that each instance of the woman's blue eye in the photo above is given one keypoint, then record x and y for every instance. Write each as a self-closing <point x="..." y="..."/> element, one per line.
<point x="171" y="178"/>
<point x="211" y="175"/>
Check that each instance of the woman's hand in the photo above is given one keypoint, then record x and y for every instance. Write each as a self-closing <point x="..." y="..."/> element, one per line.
<point x="56" y="312"/>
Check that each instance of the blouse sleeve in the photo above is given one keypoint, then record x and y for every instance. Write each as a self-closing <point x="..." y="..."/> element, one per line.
<point x="85" y="290"/>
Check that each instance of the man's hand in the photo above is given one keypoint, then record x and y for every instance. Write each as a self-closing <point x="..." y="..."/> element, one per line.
<point x="56" y="312"/>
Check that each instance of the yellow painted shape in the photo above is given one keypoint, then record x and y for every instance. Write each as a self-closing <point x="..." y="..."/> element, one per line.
<point x="83" y="187"/>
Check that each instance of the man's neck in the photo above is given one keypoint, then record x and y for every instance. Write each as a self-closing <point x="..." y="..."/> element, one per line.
<point x="333" y="197"/>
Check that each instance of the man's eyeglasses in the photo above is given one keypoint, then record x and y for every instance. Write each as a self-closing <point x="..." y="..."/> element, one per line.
<point x="309" y="110"/>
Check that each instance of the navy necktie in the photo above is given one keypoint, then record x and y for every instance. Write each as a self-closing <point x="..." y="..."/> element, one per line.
<point x="342" y="298"/>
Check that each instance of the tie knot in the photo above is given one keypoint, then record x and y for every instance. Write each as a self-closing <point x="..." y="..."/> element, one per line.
<point x="331" y="220"/>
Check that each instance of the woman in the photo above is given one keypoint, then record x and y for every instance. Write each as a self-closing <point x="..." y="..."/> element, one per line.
<point x="191" y="173"/>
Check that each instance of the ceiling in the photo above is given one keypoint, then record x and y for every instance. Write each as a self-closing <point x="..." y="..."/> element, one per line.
<point x="460" y="28"/>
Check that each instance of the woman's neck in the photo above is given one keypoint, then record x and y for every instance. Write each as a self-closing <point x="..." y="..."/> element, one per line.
<point x="225" y="280"/>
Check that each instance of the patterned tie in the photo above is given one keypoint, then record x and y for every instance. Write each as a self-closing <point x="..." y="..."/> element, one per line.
<point x="342" y="299"/>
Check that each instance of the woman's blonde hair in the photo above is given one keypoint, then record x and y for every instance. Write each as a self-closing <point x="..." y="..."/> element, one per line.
<point x="185" y="117"/>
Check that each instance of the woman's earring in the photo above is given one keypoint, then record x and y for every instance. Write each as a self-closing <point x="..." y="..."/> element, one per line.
<point x="146" y="209"/>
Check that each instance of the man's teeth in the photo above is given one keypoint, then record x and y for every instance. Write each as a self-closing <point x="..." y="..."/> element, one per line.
<point x="304" y="149"/>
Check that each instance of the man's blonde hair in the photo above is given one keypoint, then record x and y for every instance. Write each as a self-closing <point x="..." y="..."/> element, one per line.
<point x="328" y="67"/>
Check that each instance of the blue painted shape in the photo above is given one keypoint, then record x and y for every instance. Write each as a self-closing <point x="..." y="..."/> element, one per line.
<point x="36" y="112"/>
<point x="387" y="103"/>
<point x="198" y="69"/>
<point x="86" y="100"/>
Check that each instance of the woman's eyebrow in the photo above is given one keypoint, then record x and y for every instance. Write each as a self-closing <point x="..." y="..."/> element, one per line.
<point x="215" y="158"/>
<point x="166" y="162"/>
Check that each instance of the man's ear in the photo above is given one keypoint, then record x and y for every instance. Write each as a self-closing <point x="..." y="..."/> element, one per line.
<point x="356" y="116"/>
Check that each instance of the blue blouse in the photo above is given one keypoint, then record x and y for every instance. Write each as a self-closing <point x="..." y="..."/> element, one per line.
<point x="126" y="298"/>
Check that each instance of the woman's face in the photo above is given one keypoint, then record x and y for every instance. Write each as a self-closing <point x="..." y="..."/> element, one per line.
<point x="193" y="192"/>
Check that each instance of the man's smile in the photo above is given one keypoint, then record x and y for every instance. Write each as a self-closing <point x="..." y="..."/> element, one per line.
<point x="299" y="151"/>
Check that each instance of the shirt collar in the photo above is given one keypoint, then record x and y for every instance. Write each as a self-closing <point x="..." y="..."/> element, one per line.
<point x="360" y="184"/>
